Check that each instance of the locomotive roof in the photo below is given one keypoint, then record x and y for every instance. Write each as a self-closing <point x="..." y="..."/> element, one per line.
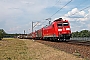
<point x="60" y="19"/>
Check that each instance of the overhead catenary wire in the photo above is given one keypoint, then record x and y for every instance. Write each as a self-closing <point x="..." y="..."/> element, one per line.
<point x="61" y="8"/>
<point x="45" y="19"/>
<point x="84" y="9"/>
<point x="82" y="3"/>
<point x="79" y="4"/>
<point x="59" y="1"/>
<point x="49" y="19"/>
<point x="66" y="5"/>
<point x="81" y="10"/>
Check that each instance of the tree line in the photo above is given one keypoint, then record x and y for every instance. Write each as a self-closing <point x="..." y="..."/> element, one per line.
<point x="3" y="34"/>
<point x="83" y="33"/>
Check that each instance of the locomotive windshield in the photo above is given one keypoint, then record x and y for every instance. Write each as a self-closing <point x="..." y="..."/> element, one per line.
<point x="63" y="24"/>
<point x="59" y="24"/>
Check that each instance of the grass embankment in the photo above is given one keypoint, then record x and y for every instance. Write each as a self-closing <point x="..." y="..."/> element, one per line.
<point x="13" y="49"/>
<point x="16" y="49"/>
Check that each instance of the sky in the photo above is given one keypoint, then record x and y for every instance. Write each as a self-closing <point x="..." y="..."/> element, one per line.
<point x="16" y="16"/>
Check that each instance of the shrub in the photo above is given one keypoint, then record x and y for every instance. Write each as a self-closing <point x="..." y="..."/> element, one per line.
<point x="1" y="35"/>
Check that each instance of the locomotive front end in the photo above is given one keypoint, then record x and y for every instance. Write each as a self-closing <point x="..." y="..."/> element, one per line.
<point x="64" y="31"/>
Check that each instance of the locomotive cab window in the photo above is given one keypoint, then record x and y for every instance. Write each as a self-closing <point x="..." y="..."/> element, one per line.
<point x="59" y="24"/>
<point x="65" y="24"/>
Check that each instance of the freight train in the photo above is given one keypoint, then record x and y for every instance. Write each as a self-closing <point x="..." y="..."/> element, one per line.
<point x="58" y="30"/>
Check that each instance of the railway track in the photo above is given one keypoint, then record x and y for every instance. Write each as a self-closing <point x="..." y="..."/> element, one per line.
<point x="80" y="47"/>
<point x="74" y="42"/>
<point x="80" y="42"/>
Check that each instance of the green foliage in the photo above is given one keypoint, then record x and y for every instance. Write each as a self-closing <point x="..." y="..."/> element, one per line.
<point x="83" y="33"/>
<point x="2" y="33"/>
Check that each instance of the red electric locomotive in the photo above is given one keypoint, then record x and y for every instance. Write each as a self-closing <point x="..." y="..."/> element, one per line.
<point x="57" y="30"/>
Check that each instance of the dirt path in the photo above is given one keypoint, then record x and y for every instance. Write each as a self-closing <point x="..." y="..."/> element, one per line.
<point x="38" y="51"/>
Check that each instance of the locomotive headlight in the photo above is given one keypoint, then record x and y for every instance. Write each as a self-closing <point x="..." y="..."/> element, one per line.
<point x="67" y="28"/>
<point x="59" y="29"/>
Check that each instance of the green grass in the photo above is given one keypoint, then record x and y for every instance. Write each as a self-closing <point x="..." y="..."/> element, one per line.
<point x="13" y="49"/>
